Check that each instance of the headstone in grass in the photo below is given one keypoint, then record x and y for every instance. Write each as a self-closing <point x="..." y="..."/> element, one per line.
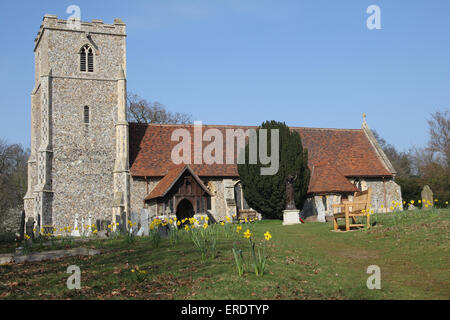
<point x="134" y="218"/>
<point x="29" y="226"/>
<point x="427" y="197"/>
<point x="144" y="222"/>
<point x="123" y="223"/>
<point x="75" y="232"/>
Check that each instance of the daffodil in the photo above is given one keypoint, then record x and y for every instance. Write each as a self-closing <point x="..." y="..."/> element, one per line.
<point x="247" y="234"/>
<point x="205" y="226"/>
<point x="186" y="227"/>
<point x="238" y="229"/>
<point x="267" y="235"/>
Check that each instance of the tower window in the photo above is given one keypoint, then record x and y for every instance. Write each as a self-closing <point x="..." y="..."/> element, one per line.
<point x="86" y="115"/>
<point x="86" y="59"/>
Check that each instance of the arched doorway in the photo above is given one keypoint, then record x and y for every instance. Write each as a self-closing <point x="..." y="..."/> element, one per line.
<point x="184" y="209"/>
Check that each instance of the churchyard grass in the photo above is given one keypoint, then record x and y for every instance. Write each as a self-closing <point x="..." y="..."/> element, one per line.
<point x="307" y="261"/>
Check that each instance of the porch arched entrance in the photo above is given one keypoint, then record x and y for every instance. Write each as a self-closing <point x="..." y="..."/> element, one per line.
<point x="184" y="209"/>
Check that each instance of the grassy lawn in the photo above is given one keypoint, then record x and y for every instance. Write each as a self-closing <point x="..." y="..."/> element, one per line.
<point x="306" y="261"/>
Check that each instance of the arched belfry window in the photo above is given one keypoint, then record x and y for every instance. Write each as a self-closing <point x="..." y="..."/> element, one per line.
<point x="86" y="59"/>
<point x="86" y="114"/>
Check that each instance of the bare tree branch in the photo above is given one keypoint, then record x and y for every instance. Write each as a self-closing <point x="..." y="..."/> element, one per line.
<point x="142" y="111"/>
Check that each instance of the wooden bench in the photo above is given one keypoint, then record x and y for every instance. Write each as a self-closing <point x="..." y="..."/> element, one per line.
<point x="249" y="214"/>
<point x="359" y="207"/>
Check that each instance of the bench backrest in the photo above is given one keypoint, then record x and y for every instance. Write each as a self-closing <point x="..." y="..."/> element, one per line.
<point x="362" y="196"/>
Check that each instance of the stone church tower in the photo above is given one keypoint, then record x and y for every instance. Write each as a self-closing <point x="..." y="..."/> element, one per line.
<point x="78" y="167"/>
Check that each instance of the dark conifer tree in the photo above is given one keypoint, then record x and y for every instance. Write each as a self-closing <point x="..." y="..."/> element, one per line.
<point x="267" y="193"/>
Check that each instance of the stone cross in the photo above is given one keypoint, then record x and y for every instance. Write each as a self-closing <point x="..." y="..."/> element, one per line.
<point x="90" y="224"/>
<point x="75" y="232"/>
<point x="427" y="196"/>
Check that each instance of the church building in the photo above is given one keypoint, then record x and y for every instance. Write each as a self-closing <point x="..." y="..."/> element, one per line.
<point x="88" y="163"/>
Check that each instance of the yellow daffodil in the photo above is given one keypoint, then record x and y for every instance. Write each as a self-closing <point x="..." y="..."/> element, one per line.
<point x="186" y="227"/>
<point x="238" y="229"/>
<point x="267" y="235"/>
<point x="205" y="226"/>
<point x="412" y="201"/>
<point x="247" y="234"/>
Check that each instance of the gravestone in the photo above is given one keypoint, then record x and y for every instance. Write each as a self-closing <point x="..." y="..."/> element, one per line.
<point x="89" y="230"/>
<point x="427" y="197"/>
<point x="134" y="218"/>
<point x="29" y="226"/>
<point x="123" y="223"/>
<point x="144" y="222"/>
<point x="22" y="225"/>
<point x="75" y="232"/>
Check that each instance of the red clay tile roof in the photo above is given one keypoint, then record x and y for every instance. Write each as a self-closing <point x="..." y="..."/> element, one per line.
<point x="325" y="178"/>
<point x="347" y="150"/>
<point x="166" y="183"/>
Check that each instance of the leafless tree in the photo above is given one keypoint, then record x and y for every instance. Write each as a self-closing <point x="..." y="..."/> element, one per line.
<point x="13" y="175"/>
<point x="439" y="135"/>
<point x="142" y="111"/>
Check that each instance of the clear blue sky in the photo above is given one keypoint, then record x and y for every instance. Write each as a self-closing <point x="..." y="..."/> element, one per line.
<point x="309" y="63"/>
